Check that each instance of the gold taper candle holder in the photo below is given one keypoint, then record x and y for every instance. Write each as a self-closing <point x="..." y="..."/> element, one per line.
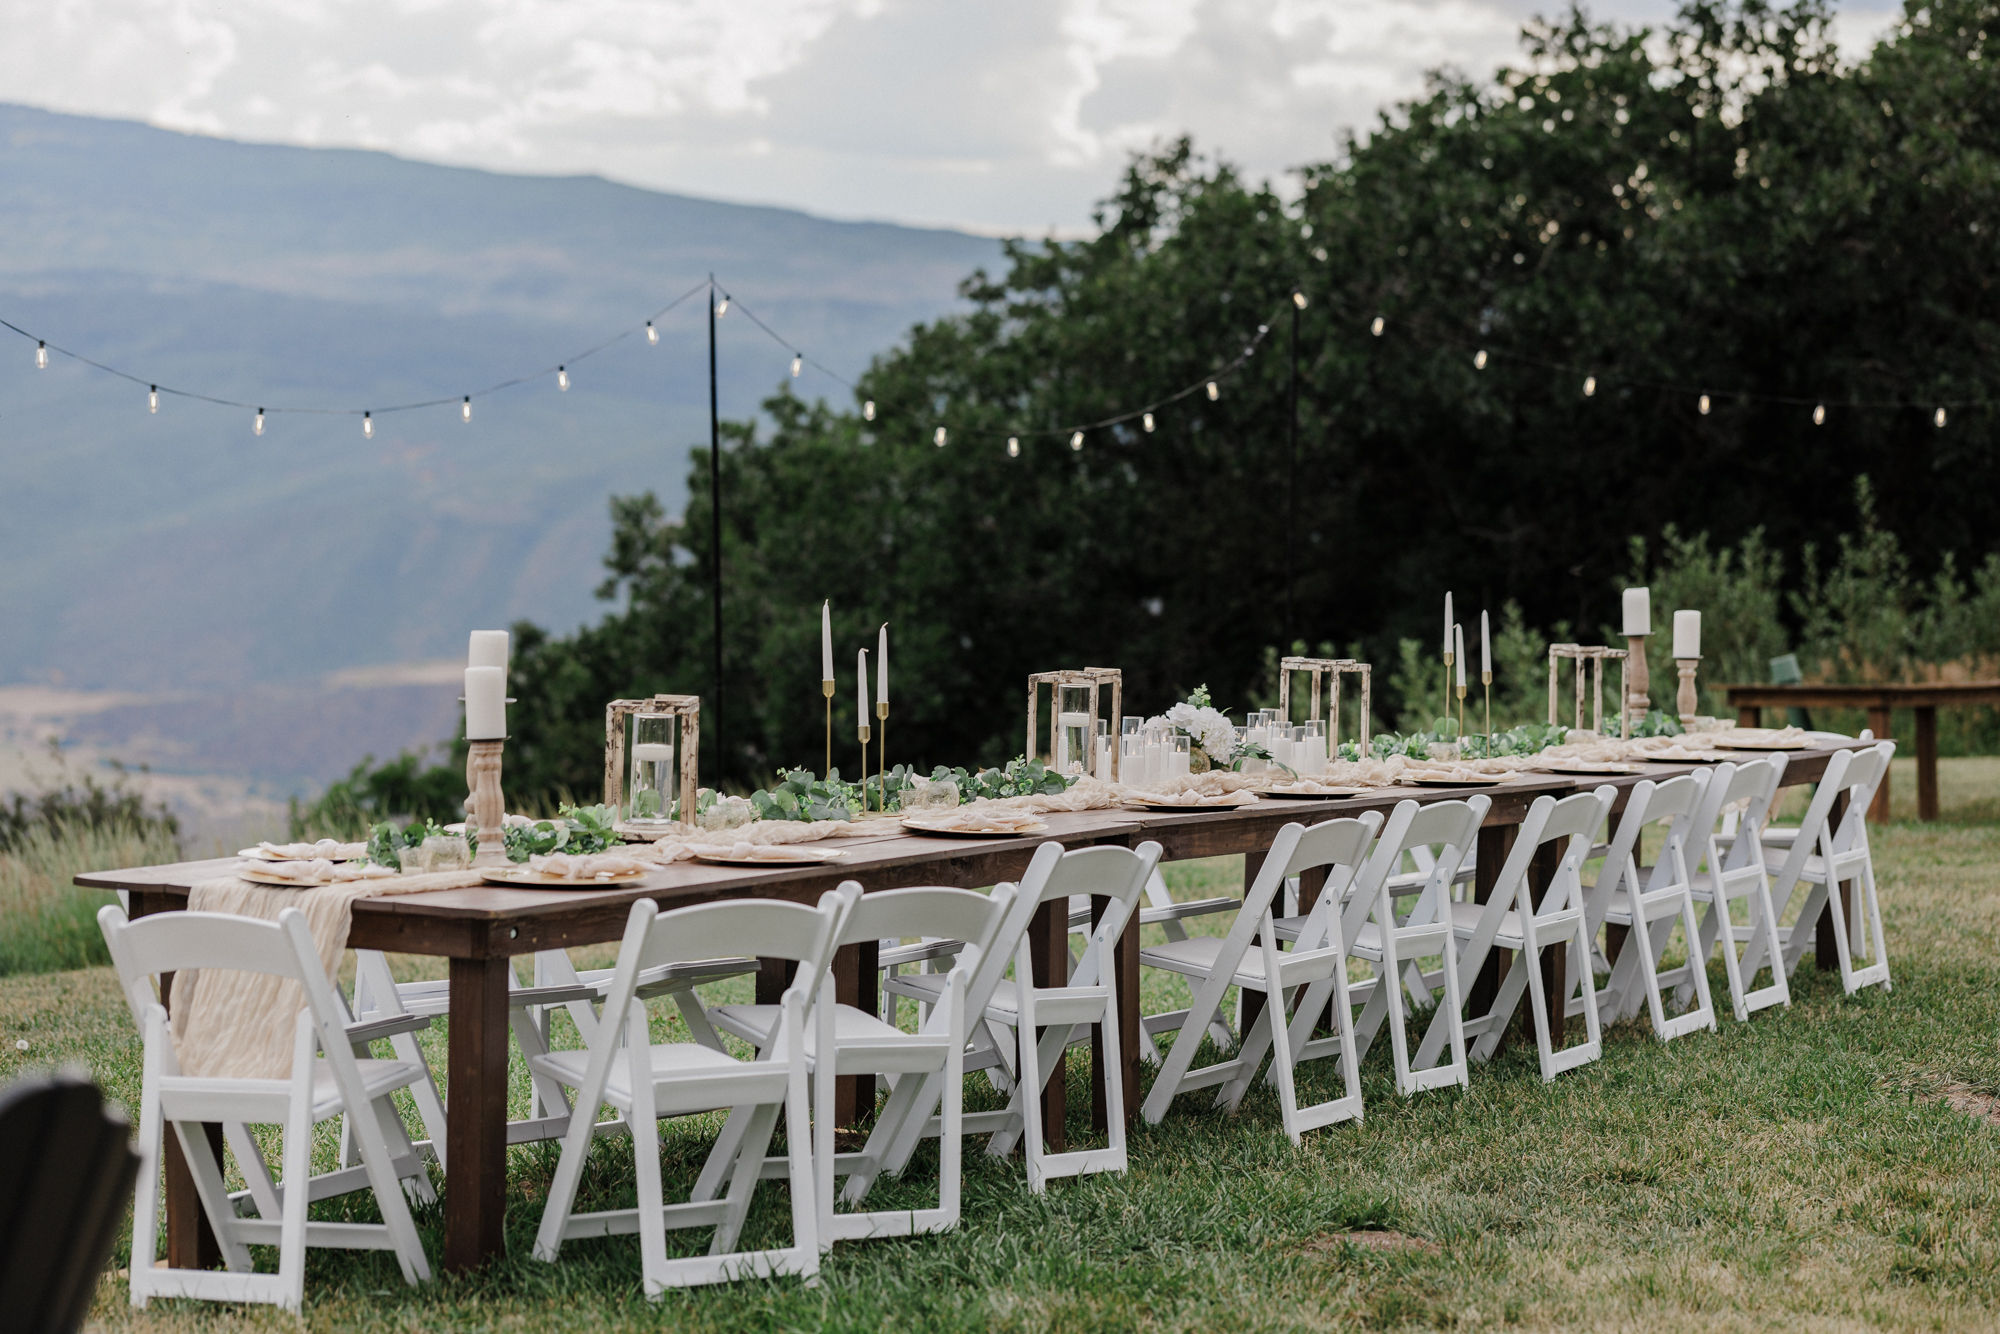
<point x="485" y="804"/>
<point x="1486" y="680"/>
<point x="826" y="688"/>
<point x="862" y="733"/>
<point x="1461" y="713"/>
<point x="1687" y="702"/>
<point x="882" y="752"/>
<point x="1448" y="660"/>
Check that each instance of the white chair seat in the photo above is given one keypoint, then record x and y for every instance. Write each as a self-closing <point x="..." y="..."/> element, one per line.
<point x="716" y="1078"/>
<point x="1465" y="920"/>
<point x="756" y="1023"/>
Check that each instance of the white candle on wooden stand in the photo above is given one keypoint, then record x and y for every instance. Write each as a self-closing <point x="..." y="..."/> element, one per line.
<point x="1687" y="634"/>
<point x="882" y="665"/>
<point x="488" y="648"/>
<point x="826" y="640"/>
<point x="485" y="704"/>
<point x="1638" y="611"/>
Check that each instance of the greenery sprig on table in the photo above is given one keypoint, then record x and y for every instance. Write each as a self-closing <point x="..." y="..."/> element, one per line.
<point x="802" y="796"/>
<point x="579" y="829"/>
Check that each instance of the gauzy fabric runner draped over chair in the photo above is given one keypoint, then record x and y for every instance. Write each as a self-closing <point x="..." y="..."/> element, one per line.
<point x="236" y="1025"/>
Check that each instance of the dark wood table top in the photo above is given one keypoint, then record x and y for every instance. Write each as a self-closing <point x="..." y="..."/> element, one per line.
<point x="490" y="921"/>
<point x="1891" y="694"/>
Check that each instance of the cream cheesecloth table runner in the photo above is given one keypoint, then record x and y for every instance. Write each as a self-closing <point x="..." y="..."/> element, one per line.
<point x="236" y="1025"/>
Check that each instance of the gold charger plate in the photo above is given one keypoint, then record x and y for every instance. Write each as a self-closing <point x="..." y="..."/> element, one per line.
<point x="1449" y="782"/>
<point x="1323" y="794"/>
<point x="1590" y="768"/>
<point x="261" y="877"/>
<point x="1763" y="745"/>
<point x="1179" y="808"/>
<point x="921" y="826"/>
<point x="521" y="877"/>
<point x="794" y="857"/>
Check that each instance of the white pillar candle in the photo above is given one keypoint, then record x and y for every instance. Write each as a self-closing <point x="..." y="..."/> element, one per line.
<point x="1485" y="646"/>
<point x="882" y="665"/>
<point x="826" y="640"/>
<point x="1448" y="623"/>
<point x="861" y="689"/>
<point x="1687" y="634"/>
<point x="1638" y="611"/>
<point x="1104" y="759"/>
<point x="485" y="704"/>
<point x="488" y="648"/>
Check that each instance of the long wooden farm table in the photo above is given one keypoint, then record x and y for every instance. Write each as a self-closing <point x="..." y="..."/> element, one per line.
<point x="1924" y="699"/>
<point x="479" y="931"/>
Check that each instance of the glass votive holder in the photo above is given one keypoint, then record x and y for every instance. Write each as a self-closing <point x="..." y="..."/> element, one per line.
<point x="930" y="794"/>
<point x="650" y="784"/>
<point x="727" y="813"/>
<point x="1182" y="757"/>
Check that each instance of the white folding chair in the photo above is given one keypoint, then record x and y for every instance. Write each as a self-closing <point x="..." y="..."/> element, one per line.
<point x="1647" y="901"/>
<point x="1440" y="835"/>
<point x="846" y="1040"/>
<point x="1507" y="921"/>
<point x="327" y="1079"/>
<point x="556" y="985"/>
<point x="1213" y="964"/>
<point x="1827" y="853"/>
<point x="1730" y="821"/>
<point x="623" y="1067"/>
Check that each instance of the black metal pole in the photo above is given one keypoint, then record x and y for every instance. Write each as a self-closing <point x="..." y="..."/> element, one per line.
<point x="1292" y="495"/>
<point x="715" y="534"/>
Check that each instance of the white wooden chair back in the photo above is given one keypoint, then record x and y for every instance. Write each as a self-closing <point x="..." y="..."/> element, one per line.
<point x="1447" y="832"/>
<point x="1648" y="901"/>
<point x="1756" y="782"/>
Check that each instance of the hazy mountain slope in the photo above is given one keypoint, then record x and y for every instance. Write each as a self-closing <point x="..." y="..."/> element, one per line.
<point x="179" y="550"/>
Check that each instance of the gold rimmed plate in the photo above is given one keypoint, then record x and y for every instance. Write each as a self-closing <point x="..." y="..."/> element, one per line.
<point x="1763" y="745"/>
<point x="916" y="824"/>
<point x="1589" y="768"/>
<point x="521" y="877"/>
<point x="1313" y="794"/>
<point x="778" y="854"/>
<point x="1183" y="808"/>
<point x="1449" y="782"/>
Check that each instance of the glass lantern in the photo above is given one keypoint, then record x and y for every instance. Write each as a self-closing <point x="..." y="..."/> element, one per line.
<point x="652" y="771"/>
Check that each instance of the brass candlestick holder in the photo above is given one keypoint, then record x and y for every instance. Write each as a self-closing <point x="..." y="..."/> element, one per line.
<point x="1687" y="702"/>
<point x="1448" y="660"/>
<point x="882" y="753"/>
<point x="1461" y="713"/>
<point x="1486" y="681"/>
<point x="826" y="688"/>
<point x="485" y="804"/>
<point x="1638" y="684"/>
<point x="863" y="733"/>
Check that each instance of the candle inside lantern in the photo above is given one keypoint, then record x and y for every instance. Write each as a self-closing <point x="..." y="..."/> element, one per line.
<point x="861" y="688"/>
<point x="1072" y="740"/>
<point x="882" y="665"/>
<point x="826" y="640"/>
<point x="488" y="648"/>
<point x="1638" y="611"/>
<point x="485" y="704"/>
<point x="1687" y="634"/>
<point x="1458" y="645"/>
<point x="1485" y="647"/>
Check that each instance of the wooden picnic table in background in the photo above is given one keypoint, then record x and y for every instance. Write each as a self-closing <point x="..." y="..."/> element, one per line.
<point x="1925" y="699"/>
<point x="480" y="930"/>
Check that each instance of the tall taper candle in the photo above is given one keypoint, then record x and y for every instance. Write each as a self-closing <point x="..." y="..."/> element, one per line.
<point x="1485" y="648"/>
<point x="488" y="648"/>
<point x="826" y="640"/>
<point x="485" y="704"/>
<point x="1458" y="647"/>
<point x="861" y="690"/>
<point x="1638" y="611"/>
<point x="882" y="665"/>
<point x="1687" y="634"/>
<point x="1448" y="623"/>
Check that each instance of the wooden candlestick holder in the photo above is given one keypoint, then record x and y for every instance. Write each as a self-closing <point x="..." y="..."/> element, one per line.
<point x="1687" y="701"/>
<point x="484" y="804"/>
<point x="1638" y="684"/>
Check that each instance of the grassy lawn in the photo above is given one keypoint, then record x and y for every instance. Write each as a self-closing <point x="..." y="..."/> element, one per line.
<point x="1832" y="1165"/>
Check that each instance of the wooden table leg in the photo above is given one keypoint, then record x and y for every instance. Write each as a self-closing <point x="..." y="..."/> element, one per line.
<point x="475" y="1191"/>
<point x="1251" y="1003"/>
<point x="1555" y="961"/>
<point x="1927" y="782"/>
<point x="1125" y="965"/>
<point x="1826" y="950"/>
<point x="1878" y="723"/>
<point x="1495" y="842"/>
<point x="1048" y="954"/>
<point x="857" y="973"/>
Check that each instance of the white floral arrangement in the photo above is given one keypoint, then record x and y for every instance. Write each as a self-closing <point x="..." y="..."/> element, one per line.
<point x="1210" y="732"/>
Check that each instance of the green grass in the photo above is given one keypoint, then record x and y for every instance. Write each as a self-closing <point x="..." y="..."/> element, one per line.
<point x="46" y="923"/>
<point x="1810" y="1168"/>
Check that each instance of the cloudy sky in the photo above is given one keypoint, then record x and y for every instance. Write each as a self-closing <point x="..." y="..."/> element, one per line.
<point x="1002" y="115"/>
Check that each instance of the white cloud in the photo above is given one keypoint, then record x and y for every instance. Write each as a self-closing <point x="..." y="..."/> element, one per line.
<point x="1000" y="116"/>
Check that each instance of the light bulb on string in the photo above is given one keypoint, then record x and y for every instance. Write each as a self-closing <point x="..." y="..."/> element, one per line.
<point x="41" y="355"/>
<point x="1376" y="327"/>
<point x="1076" y="440"/>
<point x="798" y="364"/>
<point x="1213" y="392"/>
<point x="1937" y="419"/>
<point x="1299" y="299"/>
<point x="1589" y="385"/>
<point x="652" y="334"/>
<point x="465" y="409"/>
<point x="153" y="398"/>
<point x="937" y="437"/>
<point x="257" y="427"/>
<point x="1147" y="422"/>
<point x="868" y="411"/>
<point x="1703" y="405"/>
<point x="1479" y="360"/>
<point x="368" y="425"/>
<point x="722" y="306"/>
<point x="562" y="378"/>
<point x="1819" y="414"/>
<point x="1013" y="447"/>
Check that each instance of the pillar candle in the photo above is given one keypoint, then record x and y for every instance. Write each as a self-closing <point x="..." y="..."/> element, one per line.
<point x="487" y="649"/>
<point x="882" y="665"/>
<point x="1687" y="634"/>
<point x="826" y="641"/>
<point x="861" y="688"/>
<point x="1458" y="643"/>
<point x="485" y="704"/>
<point x="1485" y="646"/>
<point x="1638" y="611"/>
